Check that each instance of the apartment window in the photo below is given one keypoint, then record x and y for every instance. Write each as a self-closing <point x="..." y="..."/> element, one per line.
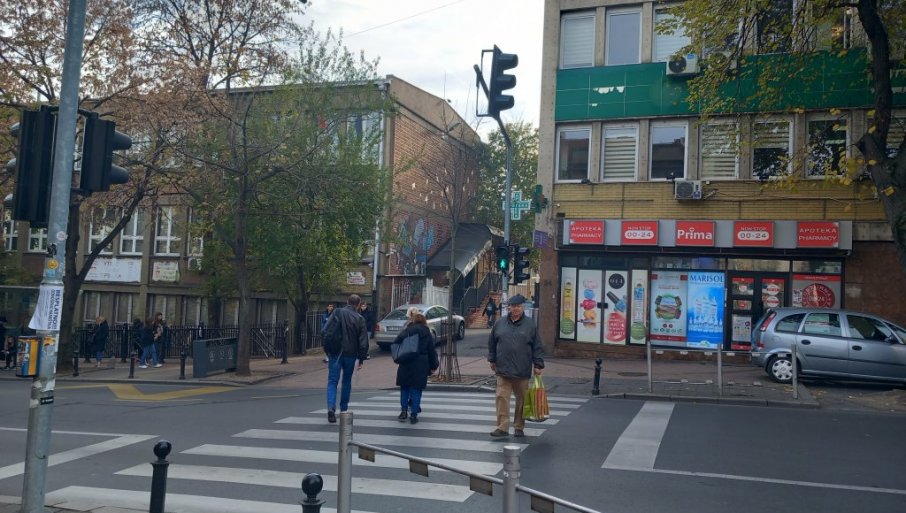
<point x="132" y="238"/>
<point x="577" y="40"/>
<point x="10" y="232"/>
<point x="37" y="240"/>
<point x="102" y="222"/>
<point x="834" y="34"/>
<point x="770" y="148"/>
<point x="826" y="147"/>
<point x="166" y="236"/>
<point x="667" y="45"/>
<point x="668" y="151"/>
<point x="196" y="236"/>
<point x="719" y="151"/>
<point x="773" y="27"/>
<point x="366" y="130"/>
<point x="619" y="149"/>
<point x="572" y="153"/>
<point x="624" y="37"/>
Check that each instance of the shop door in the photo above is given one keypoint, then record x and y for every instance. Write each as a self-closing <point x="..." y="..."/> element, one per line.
<point x="750" y="295"/>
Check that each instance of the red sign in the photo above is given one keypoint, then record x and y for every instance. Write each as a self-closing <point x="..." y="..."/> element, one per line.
<point x="818" y="234"/>
<point x="586" y="232"/>
<point x="753" y="234"/>
<point x="639" y="233"/>
<point x="695" y="233"/>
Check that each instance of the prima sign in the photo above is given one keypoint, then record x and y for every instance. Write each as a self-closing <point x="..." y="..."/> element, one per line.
<point x="695" y="233"/>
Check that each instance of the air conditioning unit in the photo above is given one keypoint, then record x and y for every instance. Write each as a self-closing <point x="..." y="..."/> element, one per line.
<point x="687" y="189"/>
<point x="722" y="59"/>
<point x="683" y="65"/>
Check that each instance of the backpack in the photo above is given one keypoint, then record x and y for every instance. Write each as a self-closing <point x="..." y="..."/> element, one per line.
<point x="332" y="337"/>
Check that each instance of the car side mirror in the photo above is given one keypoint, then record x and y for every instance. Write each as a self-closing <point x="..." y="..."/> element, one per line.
<point x="891" y="340"/>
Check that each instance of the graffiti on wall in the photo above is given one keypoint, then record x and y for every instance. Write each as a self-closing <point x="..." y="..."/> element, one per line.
<point x="417" y="238"/>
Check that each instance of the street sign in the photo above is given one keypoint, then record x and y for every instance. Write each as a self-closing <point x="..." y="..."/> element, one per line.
<point x="518" y="206"/>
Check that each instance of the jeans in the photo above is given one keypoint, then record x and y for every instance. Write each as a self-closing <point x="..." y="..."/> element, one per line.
<point x="145" y="352"/>
<point x="98" y="355"/>
<point x="336" y="365"/>
<point x="414" y="395"/>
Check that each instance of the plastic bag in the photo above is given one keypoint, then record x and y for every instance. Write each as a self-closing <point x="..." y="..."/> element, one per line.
<point x="536" y="408"/>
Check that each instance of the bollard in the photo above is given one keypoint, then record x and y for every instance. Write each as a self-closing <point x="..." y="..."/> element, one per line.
<point x="511" y="472"/>
<point x="311" y="487"/>
<point x="159" y="476"/>
<point x="596" y="388"/>
<point x="182" y="363"/>
<point x="75" y="361"/>
<point x="132" y="365"/>
<point x="795" y="382"/>
<point x="344" y="464"/>
<point x="285" y="337"/>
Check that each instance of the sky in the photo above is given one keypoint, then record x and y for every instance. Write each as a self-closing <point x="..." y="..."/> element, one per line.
<point x="433" y="45"/>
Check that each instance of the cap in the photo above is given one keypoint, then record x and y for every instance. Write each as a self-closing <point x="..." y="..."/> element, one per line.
<point x="518" y="299"/>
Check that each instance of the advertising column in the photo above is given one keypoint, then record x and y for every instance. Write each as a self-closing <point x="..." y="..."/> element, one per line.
<point x="705" y="315"/>
<point x="668" y="308"/>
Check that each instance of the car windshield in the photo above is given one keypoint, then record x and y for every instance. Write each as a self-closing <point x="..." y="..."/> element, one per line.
<point x="901" y="333"/>
<point x="396" y="315"/>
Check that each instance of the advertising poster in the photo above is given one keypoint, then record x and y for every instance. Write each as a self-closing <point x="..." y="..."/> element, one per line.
<point x="568" y="303"/>
<point x="638" y="310"/>
<point x="588" y="313"/>
<point x="705" y="312"/>
<point x="742" y="332"/>
<point x="668" y="308"/>
<point x="615" y="290"/>
<point x="772" y="292"/>
<point x="816" y="290"/>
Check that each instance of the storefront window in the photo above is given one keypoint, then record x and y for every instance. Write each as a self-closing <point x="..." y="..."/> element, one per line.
<point x="818" y="266"/>
<point x="696" y="263"/>
<point x="755" y="264"/>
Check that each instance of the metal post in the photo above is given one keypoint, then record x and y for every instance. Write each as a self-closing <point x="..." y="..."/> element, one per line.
<point x="511" y="472"/>
<point x="793" y="360"/>
<point x="311" y="487"/>
<point x="159" y="476"/>
<point x="507" y="193"/>
<point x="46" y="319"/>
<point x="75" y="361"/>
<point x="182" y="362"/>
<point x="596" y="388"/>
<point x="648" y="359"/>
<point x="286" y="337"/>
<point x="132" y="365"/>
<point x="344" y="470"/>
<point x="720" y="373"/>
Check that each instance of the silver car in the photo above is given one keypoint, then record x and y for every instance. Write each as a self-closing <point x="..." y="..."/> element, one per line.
<point x="829" y="343"/>
<point x="388" y="328"/>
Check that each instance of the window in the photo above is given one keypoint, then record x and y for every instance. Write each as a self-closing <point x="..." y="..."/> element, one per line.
<point x="667" y="45"/>
<point x="774" y="27"/>
<point x="577" y="40"/>
<point x="10" y="231"/>
<point x="132" y="238"/>
<point x="827" y="324"/>
<point x="770" y="148"/>
<point x="833" y="34"/>
<point x="166" y="238"/>
<point x="826" y="147"/>
<point x="668" y="151"/>
<point x="619" y="151"/>
<point x="102" y="221"/>
<point x="867" y="328"/>
<point x="365" y="129"/>
<point x="37" y="240"/>
<point x="196" y="236"/>
<point x="790" y="324"/>
<point x="624" y="37"/>
<point x="572" y="154"/>
<point x="719" y="149"/>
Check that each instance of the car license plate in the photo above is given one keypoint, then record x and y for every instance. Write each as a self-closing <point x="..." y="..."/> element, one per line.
<point x="393" y="328"/>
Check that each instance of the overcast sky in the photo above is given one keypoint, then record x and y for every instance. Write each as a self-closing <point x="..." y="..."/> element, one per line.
<point x="433" y="44"/>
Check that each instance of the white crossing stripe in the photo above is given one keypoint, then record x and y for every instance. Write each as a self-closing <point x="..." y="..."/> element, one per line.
<point x="486" y="400"/>
<point x="637" y="447"/>
<point x="382" y="440"/>
<point x="445" y="407"/>
<point x="79" y="452"/>
<point x="84" y="498"/>
<point x="422" y="425"/>
<point x="330" y="457"/>
<point x="281" y="479"/>
<point x="436" y="415"/>
<point x="481" y="395"/>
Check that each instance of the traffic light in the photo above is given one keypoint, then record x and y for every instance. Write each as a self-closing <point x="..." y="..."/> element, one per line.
<point x="34" y="166"/>
<point x="100" y="141"/>
<point x="501" y="81"/>
<point x="503" y="258"/>
<point x="521" y="265"/>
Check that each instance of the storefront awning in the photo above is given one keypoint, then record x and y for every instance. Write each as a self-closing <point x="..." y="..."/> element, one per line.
<point x="472" y="240"/>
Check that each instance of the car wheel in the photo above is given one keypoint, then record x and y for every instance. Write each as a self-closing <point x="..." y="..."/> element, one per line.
<point x="461" y="331"/>
<point x="780" y="369"/>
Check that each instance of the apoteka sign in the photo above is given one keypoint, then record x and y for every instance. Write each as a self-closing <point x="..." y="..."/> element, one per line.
<point x="586" y="232"/>
<point x="695" y="233"/>
<point x="818" y="234"/>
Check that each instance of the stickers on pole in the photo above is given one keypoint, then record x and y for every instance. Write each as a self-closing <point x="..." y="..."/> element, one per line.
<point x="49" y="309"/>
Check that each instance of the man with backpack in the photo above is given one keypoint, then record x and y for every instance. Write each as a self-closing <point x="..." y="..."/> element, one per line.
<point x="345" y="340"/>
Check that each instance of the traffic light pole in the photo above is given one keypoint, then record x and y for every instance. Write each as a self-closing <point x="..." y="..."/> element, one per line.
<point x="46" y="319"/>
<point x="507" y="198"/>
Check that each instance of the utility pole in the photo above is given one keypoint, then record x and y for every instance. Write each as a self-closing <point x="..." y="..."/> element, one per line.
<point x="46" y="319"/>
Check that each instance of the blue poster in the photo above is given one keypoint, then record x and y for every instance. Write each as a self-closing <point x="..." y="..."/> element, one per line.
<point x="705" y="311"/>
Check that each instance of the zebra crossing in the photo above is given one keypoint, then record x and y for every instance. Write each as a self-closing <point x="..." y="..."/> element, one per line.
<point x="261" y="469"/>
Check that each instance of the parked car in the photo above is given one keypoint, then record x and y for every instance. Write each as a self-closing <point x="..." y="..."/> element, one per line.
<point x="829" y="343"/>
<point x="388" y="328"/>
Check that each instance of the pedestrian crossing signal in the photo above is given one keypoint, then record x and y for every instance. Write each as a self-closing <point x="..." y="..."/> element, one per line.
<point x="503" y="258"/>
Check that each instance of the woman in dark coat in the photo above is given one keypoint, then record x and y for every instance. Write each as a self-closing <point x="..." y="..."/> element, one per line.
<point x="147" y="341"/>
<point x="101" y="337"/>
<point x="412" y="376"/>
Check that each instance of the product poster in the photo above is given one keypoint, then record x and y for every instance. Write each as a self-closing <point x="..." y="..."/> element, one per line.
<point x="668" y="308"/>
<point x="743" y="286"/>
<point x="588" y="312"/>
<point x="615" y="290"/>
<point x="705" y="312"/>
<point x="638" y="310"/>
<point x="568" y="303"/>
<point x="742" y="332"/>
<point x="816" y="290"/>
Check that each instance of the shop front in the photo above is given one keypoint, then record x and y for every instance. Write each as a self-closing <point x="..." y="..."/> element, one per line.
<point x="692" y="284"/>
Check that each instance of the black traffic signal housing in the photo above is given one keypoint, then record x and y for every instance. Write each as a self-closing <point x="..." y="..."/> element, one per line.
<point x="521" y="265"/>
<point x="503" y="259"/>
<point x="100" y="141"/>
<point x="500" y="81"/>
<point x="34" y="166"/>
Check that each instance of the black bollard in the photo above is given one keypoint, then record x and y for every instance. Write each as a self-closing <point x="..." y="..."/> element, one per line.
<point x="182" y="363"/>
<point x="75" y="361"/>
<point x="596" y="388"/>
<point x="284" y="360"/>
<point x="159" y="476"/>
<point x="132" y="365"/>
<point x="311" y="487"/>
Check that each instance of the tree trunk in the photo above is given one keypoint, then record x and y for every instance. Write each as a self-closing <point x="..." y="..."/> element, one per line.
<point x="240" y="252"/>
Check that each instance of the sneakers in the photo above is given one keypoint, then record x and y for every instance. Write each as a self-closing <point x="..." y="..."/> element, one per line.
<point x="413" y="420"/>
<point x="142" y="366"/>
<point x="518" y="433"/>
<point x="403" y="416"/>
<point x="498" y="433"/>
<point x="331" y="416"/>
<point x="158" y="365"/>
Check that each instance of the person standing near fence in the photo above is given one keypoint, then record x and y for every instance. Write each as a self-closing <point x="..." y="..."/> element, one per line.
<point x="161" y="337"/>
<point x="412" y="375"/>
<point x="100" y="339"/>
<point x="349" y="328"/>
<point x="147" y="341"/>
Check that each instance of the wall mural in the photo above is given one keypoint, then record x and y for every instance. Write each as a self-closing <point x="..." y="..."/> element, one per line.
<point x="417" y="238"/>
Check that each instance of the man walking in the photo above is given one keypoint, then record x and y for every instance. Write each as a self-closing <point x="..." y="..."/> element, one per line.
<point x="353" y="346"/>
<point x="514" y="351"/>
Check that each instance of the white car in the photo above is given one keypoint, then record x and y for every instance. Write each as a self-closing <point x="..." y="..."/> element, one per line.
<point x="388" y="328"/>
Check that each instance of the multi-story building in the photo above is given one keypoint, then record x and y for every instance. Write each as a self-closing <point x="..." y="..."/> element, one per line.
<point x="672" y="228"/>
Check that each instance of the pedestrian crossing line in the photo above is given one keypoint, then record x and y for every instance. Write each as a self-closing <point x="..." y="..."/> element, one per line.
<point x="283" y="479"/>
<point x="446" y="407"/>
<point x="439" y="415"/>
<point x="482" y="395"/>
<point x="382" y="440"/>
<point x="487" y="400"/>
<point x="78" y="453"/>
<point x="422" y="425"/>
<point x="330" y="457"/>
<point x="84" y="498"/>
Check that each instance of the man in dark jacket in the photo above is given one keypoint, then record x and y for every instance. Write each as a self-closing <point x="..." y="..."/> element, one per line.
<point x="101" y="336"/>
<point x="354" y="343"/>
<point x="514" y="351"/>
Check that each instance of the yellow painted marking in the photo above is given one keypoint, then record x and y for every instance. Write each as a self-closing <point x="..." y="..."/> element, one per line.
<point x="125" y="392"/>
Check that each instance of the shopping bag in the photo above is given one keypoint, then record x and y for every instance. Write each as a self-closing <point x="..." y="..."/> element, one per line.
<point x="406" y="350"/>
<point x="536" y="408"/>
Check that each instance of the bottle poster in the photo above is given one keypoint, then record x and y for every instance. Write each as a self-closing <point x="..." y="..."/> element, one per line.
<point x="668" y="308"/>
<point x="615" y="291"/>
<point x="638" y="311"/>
<point x="568" y="303"/>
<point x="588" y="312"/>
<point x="705" y="312"/>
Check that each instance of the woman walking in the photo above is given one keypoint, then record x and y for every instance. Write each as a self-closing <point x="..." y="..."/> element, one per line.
<point x="412" y="375"/>
<point x="147" y="341"/>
